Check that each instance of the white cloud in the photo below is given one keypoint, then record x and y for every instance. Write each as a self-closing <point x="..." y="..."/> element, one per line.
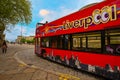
<point x="23" y="30"/>
<point x="50" y="15"/>
<point x="43" y="12"/>
<point x="53" y="15"/>
<point x="12" y="35"/>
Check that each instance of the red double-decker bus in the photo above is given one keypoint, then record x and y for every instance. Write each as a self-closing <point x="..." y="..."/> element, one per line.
<point x="88" y="39"/>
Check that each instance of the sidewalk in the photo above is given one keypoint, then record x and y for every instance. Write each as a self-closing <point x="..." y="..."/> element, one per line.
<point x="11" y="69"/>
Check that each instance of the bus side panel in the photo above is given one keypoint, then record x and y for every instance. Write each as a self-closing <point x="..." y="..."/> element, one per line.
<point x="94" y="59"/>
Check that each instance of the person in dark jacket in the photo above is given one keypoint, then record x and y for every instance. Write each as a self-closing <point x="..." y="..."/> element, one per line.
<point x="4" y="47"/>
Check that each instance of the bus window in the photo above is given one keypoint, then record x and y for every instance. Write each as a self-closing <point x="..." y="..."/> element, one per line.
<point x="37" y="41"/>
<point x="94" y="42"/>
<point x="93" y="39"/>
<point x="84" y="42"/>
<point x="87" y="41"/>
<point x="60" y="42"/>
<point x="77" y="41"/>
<point x="112" y="41"/>
<point x="37" y="45"/>
<point x="66" y="41"/>
<point x="45" y="42"/>
<point x="53" y="42"/>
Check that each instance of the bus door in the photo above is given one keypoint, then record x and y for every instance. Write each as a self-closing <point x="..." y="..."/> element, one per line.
<point x="37" y="45"/>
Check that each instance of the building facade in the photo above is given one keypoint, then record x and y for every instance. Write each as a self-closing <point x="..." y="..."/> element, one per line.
<point x="26" y="38"/>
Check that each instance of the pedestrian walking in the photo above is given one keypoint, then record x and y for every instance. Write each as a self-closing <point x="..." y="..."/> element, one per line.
<point x="4" y="47"/>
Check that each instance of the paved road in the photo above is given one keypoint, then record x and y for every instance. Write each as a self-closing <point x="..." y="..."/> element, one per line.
<point x="20" y="63"/>
<point x="10" y="69"/>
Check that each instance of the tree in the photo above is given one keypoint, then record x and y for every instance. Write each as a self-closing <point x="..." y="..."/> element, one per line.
<point x="30" y="41"/>
<point x="14" y="11"/>
<point x="23" y="40"/>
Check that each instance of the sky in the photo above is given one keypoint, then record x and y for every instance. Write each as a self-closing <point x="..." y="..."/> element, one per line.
<point x="46" y="10"/>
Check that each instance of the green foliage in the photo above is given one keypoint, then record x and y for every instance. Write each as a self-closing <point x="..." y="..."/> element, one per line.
<point x="30" y="41"/>
<point x="15" y="11"/>
<point x="23" y="40"/>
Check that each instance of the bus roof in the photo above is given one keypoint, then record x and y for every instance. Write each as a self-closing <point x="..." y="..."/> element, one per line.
<point x="84" y="19"/>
